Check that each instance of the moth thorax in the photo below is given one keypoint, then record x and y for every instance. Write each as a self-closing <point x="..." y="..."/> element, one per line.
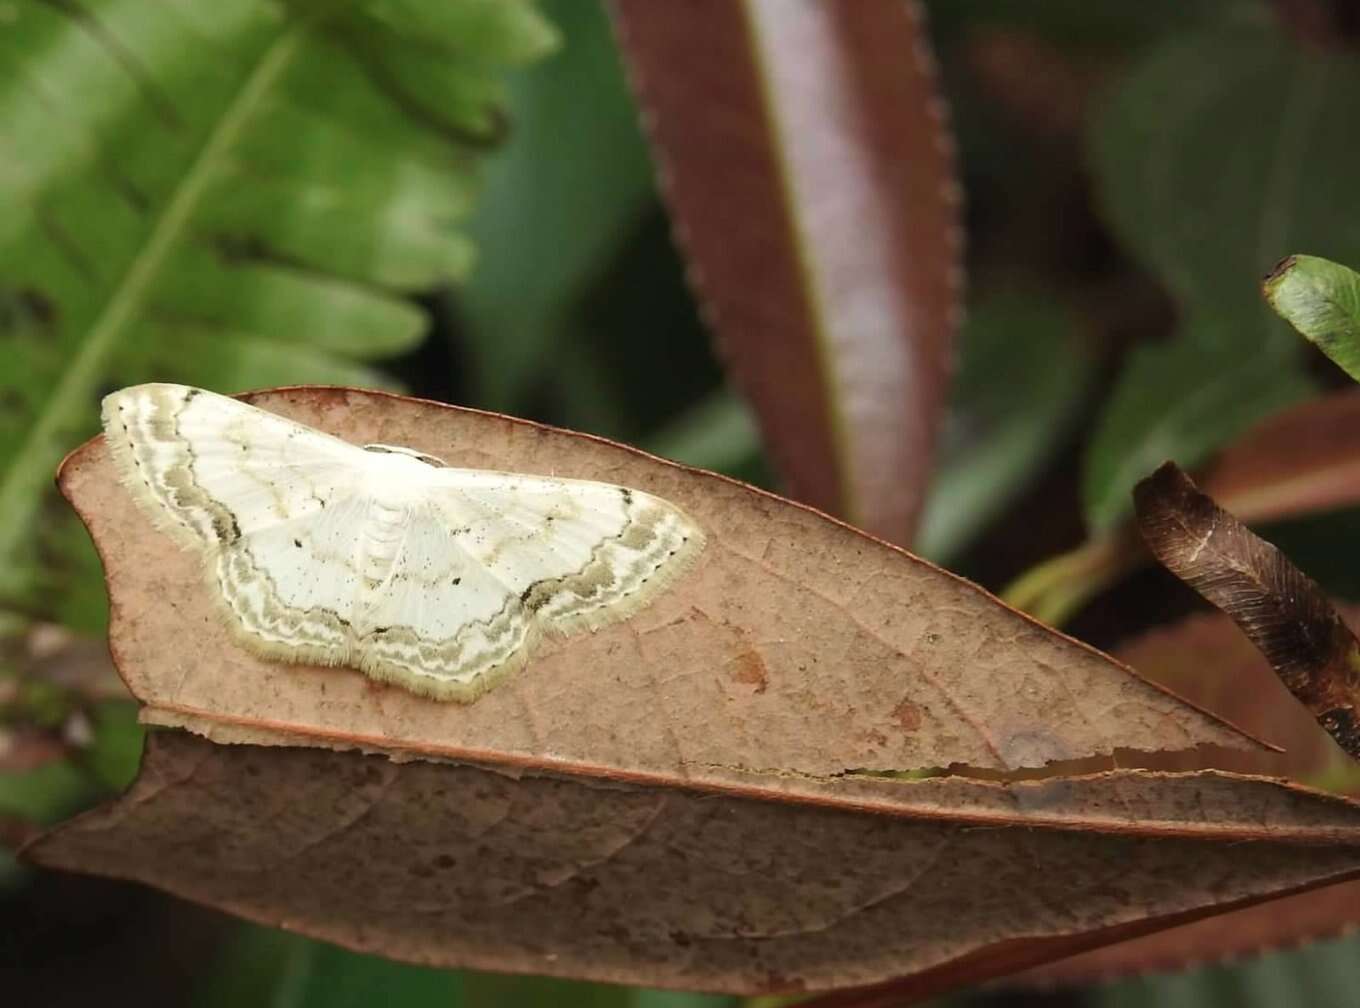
<point x="396" y="479"/>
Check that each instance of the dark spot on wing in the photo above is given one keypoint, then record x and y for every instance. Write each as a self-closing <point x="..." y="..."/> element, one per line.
<point x="225" y="533"/>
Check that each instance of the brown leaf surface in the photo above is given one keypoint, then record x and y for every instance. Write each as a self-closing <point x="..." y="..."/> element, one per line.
<point x="1281" y="923"/>
<point x="686" y="799"/>
<point x="864" y="657"/>
<point x="1283" y="611"/>
<point x="1208" y="659"/>
<point x="810" y="175"/>
<point x="459" y="865"/>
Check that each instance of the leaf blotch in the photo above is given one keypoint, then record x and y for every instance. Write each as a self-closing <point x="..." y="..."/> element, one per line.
<point x="907" y="715"/>
<point x="749" y="669"/>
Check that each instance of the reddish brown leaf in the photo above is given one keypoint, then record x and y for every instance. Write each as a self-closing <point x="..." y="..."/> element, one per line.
<point x="1281" y="923"/>
<point x="1208" y="659"/>
<point x="1301" y="461"/>
<point x="688" y="798"/>
<point x="1283" y="611"/>
<point x="810" y="175"/>
<point x="459" y="865"/>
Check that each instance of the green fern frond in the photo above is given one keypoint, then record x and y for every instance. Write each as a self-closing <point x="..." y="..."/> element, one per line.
<point x="233" y="194"/>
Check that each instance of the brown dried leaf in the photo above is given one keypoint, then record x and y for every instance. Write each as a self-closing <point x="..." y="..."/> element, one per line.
<point x="797" y="644"/>
<point x="460" y="865"/>
<point x="810" y="175"/>
<point x="683" y="799"/>
<point x="1207" y="659"/>
<point x="1283" y="611"/>
<point x="1280" y="923"/>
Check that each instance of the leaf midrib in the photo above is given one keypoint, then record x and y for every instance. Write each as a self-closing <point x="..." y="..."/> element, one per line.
<point x="23" y="484"/>
<point x="838" y="424"/>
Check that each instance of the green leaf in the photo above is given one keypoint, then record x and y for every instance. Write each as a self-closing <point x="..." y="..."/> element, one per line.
<point x="679" y="999"/>
<point x="530" y="992"/>
<point x="227" y="197"/>
<point x="1021" y="377"/>
<point x="279" y="970"/>
<point x="46" y="794"/>
<point x="599" y="376"/>
<point x="1323" y="975"/>
<point x="1321" y="299"/>
<point x="1180" y="400"/>
<point x="1220" y="152"/>
<point x="501" y="31"/>
<point x="558" y="197"/>
<point x="308" y="974"/>
<point x="42" y="796"/>
<point x="115" y="751"/>
<point x="718" y="434"/>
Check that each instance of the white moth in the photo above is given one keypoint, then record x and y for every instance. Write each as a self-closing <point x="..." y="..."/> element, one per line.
<point x="381" y="558"/>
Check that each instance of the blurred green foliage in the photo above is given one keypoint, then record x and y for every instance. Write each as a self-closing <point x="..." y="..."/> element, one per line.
<point x="1181" y="400"/>
<point x="279" y="970"/>
<point x="1022" y="376"/>
<point x="1214" y="156"/>
<point x="1324" y="975"/>
<point x="563" y="194"/>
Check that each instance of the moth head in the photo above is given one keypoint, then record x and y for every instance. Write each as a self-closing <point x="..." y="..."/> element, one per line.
<point x="429" y="460"/>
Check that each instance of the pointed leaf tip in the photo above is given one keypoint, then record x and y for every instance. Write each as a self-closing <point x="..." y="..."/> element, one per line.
<point x="1272" y="278"/>
<point x="1283" y="611"/>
